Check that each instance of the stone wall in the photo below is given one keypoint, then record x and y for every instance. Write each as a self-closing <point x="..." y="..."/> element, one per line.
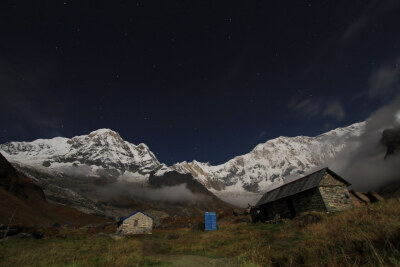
<point x="335" y="194"/>
<point x="137" y="224"/>
<point x="331" y="195"/>
<point x="280" y="207"/>
<point x="310" y="200"/>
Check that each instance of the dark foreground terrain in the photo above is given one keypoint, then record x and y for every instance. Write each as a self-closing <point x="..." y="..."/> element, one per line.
<point x="364" y="236"/>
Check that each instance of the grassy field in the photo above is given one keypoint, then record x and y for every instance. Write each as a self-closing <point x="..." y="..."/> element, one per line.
<point x="366" y="236"/>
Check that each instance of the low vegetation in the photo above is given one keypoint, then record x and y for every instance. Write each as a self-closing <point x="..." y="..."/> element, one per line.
<point x="365" y="236"/>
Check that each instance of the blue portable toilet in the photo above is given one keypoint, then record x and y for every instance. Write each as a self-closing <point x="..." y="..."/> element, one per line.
<point x="210" y="219"/>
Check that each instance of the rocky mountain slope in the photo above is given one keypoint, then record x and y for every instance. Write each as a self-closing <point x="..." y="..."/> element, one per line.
<point x="97" y="172"/>
<point x="100" y="173"/>
<point x="99" y="150"/>
<point x="271" y="162"/>
<point x="24" y="202"/>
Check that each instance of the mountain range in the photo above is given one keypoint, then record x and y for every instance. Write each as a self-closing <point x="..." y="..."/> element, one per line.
<point x="103" y="174"/>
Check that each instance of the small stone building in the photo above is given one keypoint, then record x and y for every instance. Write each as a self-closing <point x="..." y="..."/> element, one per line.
<point x="136" y="223"/>
<point x="323" y="191"/>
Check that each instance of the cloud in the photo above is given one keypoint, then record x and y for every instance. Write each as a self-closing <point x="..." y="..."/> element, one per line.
<point x="313" y="107"/>
<point x="309" y="107"/>
<point x="363" y="162"/>
<point x="131" y="177"/>
<point x="355" y="27"/>
<point x="76" y="171"/>
<point x="262" y="134"/>
<point x="172" y="194"/>
<point x="371" y="13"/>
<point x="335" y="110"/>
<point x="384" y="80"/>
<point x="240" y="199"/>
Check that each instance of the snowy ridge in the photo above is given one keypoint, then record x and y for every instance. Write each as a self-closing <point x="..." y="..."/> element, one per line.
<point x="269" y="163"/>
<point x="101" y="149"/>
<point x="104" y="153"/>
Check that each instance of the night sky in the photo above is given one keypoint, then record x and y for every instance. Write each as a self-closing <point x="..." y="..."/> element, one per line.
<point x="204" y="80"/>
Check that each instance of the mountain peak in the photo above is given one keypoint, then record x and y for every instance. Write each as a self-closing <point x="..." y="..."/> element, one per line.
<point x="102" y="148"/>
<point x="103" y="131"/>
<point x="271" y="162"/>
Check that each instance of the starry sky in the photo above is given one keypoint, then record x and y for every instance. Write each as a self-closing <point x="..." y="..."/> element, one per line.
<point x="204" y="80"/>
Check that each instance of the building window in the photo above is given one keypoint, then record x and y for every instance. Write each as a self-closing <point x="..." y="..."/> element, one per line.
<point x="135" y="223"/>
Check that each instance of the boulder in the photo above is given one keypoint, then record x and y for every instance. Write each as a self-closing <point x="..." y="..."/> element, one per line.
<point x="363" y="198"/>
<point x="23" y="236"/>
<point x="8" y="232"/>
<point x="238" y="212"/>
<point x="306" y="218"/>
<point x="375" y="197"/>
<point x="356" y="201"/>
<point x="241" y="220"/>
<point x="198" y="226"/>
<point x="101" y="235"/>
<point x="116" y="236"/>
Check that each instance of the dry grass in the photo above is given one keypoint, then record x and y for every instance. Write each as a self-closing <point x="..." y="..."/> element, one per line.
<point x="74" y="252"/>
<point x="367" y="236"/>
<point x="360" y="237"/>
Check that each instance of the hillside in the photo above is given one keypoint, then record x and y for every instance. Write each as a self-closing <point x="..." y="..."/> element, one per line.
<point x="26" y="200"/>
<point x="365" y="236"/>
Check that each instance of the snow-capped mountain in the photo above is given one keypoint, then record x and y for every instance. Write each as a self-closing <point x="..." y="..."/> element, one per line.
<point x="103" y="174"/>
<point x="103" y="158"/>
<point x="99" y="150"/>
<point x="269" y="163"/>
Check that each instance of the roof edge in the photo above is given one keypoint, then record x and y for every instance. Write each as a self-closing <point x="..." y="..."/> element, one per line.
<point x="127" y="217"/>
<point x="337" y="176"/>
<point x="325" y="170"/>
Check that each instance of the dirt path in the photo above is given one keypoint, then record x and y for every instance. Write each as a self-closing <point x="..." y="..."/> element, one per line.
<point x="195" y="261"/>
<point x="186" y="260"/>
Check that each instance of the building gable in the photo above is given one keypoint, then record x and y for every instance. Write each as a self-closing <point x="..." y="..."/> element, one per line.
<point x="138" y="218"/>
<point x="137" y="212"/>
<point x="330" y="178"/>
<point x="334" y="192"/>
<point x="136" y="223"/>
<point x="302" y="184"/>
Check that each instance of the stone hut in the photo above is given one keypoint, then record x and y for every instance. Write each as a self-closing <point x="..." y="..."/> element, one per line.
<point x="136" y="223"/>
<point x="323" y="191"/>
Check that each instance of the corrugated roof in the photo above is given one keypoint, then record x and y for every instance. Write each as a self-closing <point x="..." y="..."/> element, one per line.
<point x="300" y="185"/>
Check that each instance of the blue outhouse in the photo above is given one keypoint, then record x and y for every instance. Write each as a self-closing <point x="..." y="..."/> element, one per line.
<point x="210" y="220"/>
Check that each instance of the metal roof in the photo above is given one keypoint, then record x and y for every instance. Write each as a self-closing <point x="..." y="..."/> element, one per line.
<point x="134" y="214"/>
<point x="300" y="185"/>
